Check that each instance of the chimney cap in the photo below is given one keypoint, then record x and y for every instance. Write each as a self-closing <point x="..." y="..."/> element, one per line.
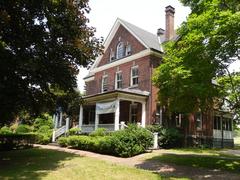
<point x="160" y="32"/>
<point x="169" y="8"/>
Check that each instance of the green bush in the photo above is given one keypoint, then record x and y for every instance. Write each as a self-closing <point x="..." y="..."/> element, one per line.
<point x="44" y="134"/>
<point x="73" y="131"/>
<point x="63" y="141"/>
<point x="23" y="128"/>
<point x="16" y="141"/>
<point x="131" y="141"/>
<point x="99" y="132"/>
<point x="43" y="120"/>
<point x="5" y="130"/>
<point x="124" y="143"/>
<point x="169" y="138"/>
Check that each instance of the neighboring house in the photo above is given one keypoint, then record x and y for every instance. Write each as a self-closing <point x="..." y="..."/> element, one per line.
<point x="119" y="88"/>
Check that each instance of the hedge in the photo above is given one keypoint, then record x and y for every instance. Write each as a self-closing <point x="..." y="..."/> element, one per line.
<point x="124" y="143"/>
<point x="16" y="141"/>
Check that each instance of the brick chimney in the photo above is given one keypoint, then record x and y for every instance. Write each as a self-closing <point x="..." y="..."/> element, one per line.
<point x="169" y="33"/>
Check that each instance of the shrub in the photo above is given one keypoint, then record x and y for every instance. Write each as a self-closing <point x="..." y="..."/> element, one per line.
<point x="23" y="128"/>
<point x="63" y="141"/>
<point x="73" y="131"/>
<point x="5" y="130"/>
<point x="131" y="141"/>
<point x="99" y="132"/>
<point x="44" y="134"/>
<point x="169" y="138"/>
<point x="13" y="127"/>
<point x="43" y="120"/>
<point x="154" y="128"/>
<point x="16" y="141"/>
<point x="124" y="143"/>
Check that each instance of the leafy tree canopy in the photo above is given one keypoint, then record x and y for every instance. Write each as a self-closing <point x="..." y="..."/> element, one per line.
<point x="42" y="43"/>
<point x="208" y="42"/>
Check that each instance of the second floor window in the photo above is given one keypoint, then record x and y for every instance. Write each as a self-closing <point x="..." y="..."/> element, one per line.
<point x="120" y="50"/>
<point x="134" y="76"/>
<point x="119" y="80"/>
<point x="104" y="83"/>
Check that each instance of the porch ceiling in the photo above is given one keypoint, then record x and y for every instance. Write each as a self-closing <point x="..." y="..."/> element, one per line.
<point x="129" y="95"/>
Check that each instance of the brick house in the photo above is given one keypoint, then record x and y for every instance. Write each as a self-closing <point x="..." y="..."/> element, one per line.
<point x="119" y="88"/>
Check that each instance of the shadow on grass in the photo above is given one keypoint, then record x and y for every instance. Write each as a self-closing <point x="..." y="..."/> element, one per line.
<point x="30" y="163"/>
<point x="193" y="166"/>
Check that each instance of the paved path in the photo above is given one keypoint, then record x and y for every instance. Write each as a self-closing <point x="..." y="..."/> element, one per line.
<point x="155" y="166"/>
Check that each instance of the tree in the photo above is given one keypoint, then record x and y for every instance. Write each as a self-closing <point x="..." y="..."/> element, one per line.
<point x="42" y="43"/>
<point x="208" y="42"/>
<point x="231" y="92"/>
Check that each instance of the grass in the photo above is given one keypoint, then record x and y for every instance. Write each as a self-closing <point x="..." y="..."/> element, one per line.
<point x="49" y="165"/>
<point x="205" y="158"/>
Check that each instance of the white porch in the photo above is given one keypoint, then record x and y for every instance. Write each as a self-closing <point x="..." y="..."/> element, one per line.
<point x="107" y="110"/>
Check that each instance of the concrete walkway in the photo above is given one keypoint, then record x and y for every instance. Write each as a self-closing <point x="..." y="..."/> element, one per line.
<point x="143" y="161"/>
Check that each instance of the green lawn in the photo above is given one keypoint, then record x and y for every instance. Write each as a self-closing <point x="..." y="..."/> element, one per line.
<point x="206" y="158"/>
<point x="49" y="164"/>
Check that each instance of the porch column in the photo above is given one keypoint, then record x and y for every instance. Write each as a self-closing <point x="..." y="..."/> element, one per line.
<point x="117" y="113"/>
<point x="80" y="116"/>
<point x="96" y="119"/>
<point x="60" y="121"/>
<point x="143" y="114"/>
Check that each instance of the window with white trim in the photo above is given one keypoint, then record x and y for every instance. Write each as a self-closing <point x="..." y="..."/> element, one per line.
<point x="178" y="120"/>
<point x="119" y="80"/>
<point x="104" y="83"/>
<point x="134" y="76"/>
<point x="112" y="55"/>
<point x="198" y="120"/>
<point x="217" y="123"/>
<point x="120" y="50"/>
<point x="128" y="50"/>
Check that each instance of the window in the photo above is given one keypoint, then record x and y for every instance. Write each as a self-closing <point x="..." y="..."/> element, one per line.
<point x="120" y="50"/>
<point x="118" y="84"/>
<point x="134" y="76"/>
<point x="217" y="123"/>
<point x="128" y="50"/>
<point x="178" y="120"/>
<point x="199" y="120"/>
<point x="112" y="55"/>
<point x="227" y="124"/>
<point x="104" y="83"/>
<point x="133" y="113"/>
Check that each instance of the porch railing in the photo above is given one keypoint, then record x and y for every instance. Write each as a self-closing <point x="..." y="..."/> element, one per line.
<point x="87" y="128"/>
<point x="226" y="134"/>
<point x="109" y="127"/>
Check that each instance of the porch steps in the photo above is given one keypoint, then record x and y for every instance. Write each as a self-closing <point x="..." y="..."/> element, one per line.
<point x="53" y="144"/>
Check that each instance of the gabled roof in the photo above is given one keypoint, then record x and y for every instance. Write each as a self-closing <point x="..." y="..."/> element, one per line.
<point x="149" y="40"/>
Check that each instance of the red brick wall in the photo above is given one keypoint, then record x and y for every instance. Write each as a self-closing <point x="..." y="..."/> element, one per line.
<point x="125" y="37"/>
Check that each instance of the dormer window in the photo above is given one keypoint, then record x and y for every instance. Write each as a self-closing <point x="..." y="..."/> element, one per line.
<point x="112" y="55"/>
<point x="120" y="50"/>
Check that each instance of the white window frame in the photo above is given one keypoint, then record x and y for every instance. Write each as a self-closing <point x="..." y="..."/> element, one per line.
<point x="102" y="86"/>
<point x="178" y="120"/>
<point x="112" y="55"/>
<point x="136" y="76"/>
<point x="118" y="80"/>
<point x="199" y="120"/>
<point x="128" y="50"/>
<point x="120" y="50"/>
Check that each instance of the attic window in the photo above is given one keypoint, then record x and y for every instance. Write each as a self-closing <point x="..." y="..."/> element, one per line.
<point x="120" y="50"/>
<point x="112" y="55"/>
<point x="128" y="50"/>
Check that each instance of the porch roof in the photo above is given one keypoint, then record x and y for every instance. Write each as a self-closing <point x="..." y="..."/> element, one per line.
<point x="135" y="95"/>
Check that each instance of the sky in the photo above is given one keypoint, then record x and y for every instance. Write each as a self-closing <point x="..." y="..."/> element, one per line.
<point x="146" y="14"/>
